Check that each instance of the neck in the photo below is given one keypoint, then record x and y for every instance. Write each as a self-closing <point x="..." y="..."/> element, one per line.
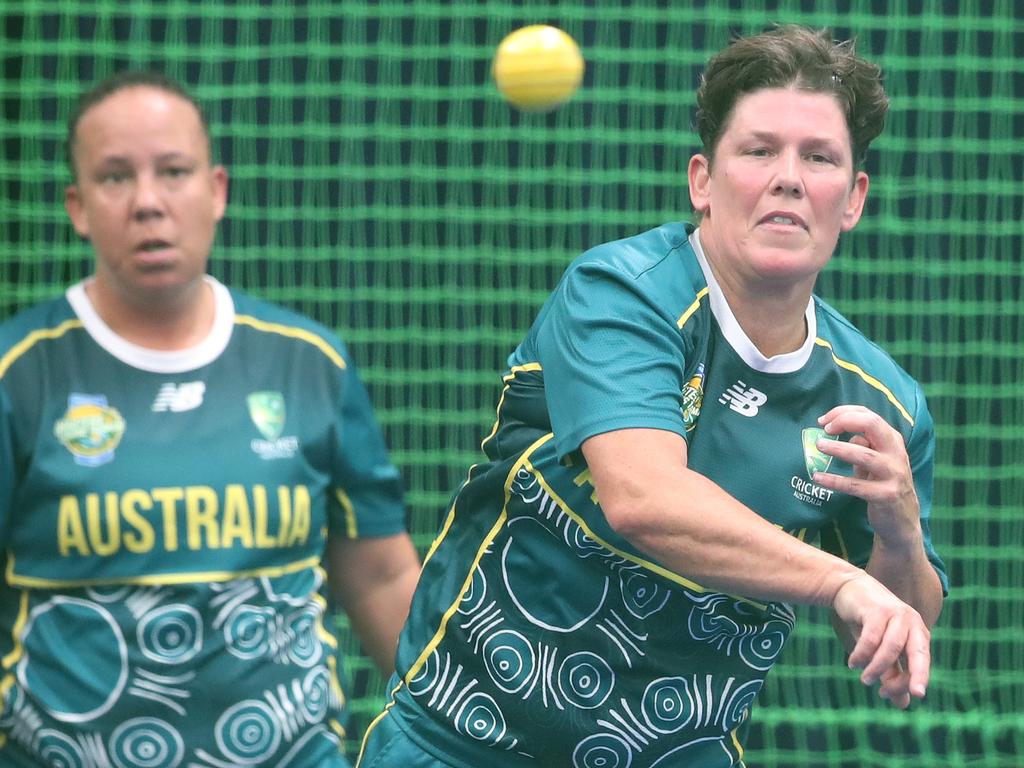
<point x="772" y="316"/>
<point x="787" y="332"/>
<point x="164" y="323"/>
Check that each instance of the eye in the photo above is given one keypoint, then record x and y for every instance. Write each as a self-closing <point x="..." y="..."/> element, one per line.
<point x="821" y="158"/>
<point x="114" y="177"/>
<point x="759" y="152"/>
<point x="175" y="171"/>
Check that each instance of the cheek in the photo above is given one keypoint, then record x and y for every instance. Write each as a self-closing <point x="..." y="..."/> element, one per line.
<point x="103" y="225"/>
<point x="202" y="222"/>
<point x="832" y="202"/>
<point x="740" y="189"/>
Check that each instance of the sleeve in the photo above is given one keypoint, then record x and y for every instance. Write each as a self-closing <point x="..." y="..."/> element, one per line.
<point x="7" y="461"/>
<point x="852" y="536"/>
<point x="612" y="359"/>
<point x="921" y="449"/>
<point x="366" y="494"/>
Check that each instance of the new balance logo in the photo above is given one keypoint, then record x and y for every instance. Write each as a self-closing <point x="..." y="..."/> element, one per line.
<point x="179" y="397"/>
<point x="743" y="399"/>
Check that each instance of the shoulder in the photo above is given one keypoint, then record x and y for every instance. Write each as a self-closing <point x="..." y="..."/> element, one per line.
<point x="638" y="255"/>
<point x="658" y="264"/>
<point x="266" y="321"/>
<point x="39" y="323"/>
<point x="852" y="350"/>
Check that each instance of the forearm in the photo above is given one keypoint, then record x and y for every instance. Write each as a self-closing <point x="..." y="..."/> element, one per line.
<point x="374" y="580"/>
<point x="378" y="615"/>
<point x="906" y="571"/>
<point x="696" y="529"/>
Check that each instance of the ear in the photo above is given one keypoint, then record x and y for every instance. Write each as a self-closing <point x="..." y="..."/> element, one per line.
<point x="219" y="180"/>
<point x="855" y="201"/>
<point x="76" y="210"/>
<point x="698" y="173"/>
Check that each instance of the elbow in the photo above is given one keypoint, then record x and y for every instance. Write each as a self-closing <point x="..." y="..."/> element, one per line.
<point x="628" y="515"/>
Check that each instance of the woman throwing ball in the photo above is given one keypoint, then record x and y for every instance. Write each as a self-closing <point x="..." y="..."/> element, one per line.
<point x="688" y="442"/>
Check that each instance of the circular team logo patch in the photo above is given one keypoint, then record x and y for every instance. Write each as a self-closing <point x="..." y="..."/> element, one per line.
<point x="91" y="429"/>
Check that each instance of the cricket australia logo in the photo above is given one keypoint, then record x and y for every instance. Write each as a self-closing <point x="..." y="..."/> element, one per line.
<point x="266" y="409"/>
<point x="693" y="398"/>
<point x="91" y="429"/>
<point x="745" y="400"/>
<point x="814" y="461"/>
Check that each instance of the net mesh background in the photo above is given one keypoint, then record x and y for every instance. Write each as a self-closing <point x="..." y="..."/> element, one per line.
<point x="381" y="185"/>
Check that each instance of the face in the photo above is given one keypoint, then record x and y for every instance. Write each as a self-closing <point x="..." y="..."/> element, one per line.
<point x="780" y="189"/>
<point x="146" y="195"/>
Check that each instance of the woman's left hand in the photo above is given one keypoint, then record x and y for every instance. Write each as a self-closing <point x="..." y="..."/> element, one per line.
<point x="882" y="475"/>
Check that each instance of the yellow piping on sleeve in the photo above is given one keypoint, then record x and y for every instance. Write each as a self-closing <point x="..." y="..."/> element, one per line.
<point x="294" y="333"/>
<point x="351" y="527"/>
<point x="868" y="378"/>
<point x="25" y="344"/>
<point x="692" y="308"/>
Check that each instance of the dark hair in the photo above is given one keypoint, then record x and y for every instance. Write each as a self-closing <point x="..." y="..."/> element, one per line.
<point x="791" y="55"/>
<point x="118" y="82"/>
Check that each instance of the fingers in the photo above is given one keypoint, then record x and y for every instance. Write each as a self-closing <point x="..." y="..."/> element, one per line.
<point x="894" y="686"/>
<point x="879" y="647"/>
<point x="899" y="685"/>
<point x="876" y="451"/>
<point x="919" y="661"/>
<point x="892" y="646"/>
<point x="856" y="418"/>
<point x="864" y="487"/>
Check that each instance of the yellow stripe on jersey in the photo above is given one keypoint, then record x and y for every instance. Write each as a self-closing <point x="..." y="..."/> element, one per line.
<point x="332" y="667"/>
<point x="14" y="656"/>
<point x="351" y="527"/>
<point x="871" y="380"/>
<point x="294" y="333"/>
<point x="338" y="728"/>
<point x="321" y="603"/>
<point x="161" y="579"/>
<point x="507" y="379"/>
<point x="692" y="308"/>
<point x="375" y="721"/>
<point x="29" y="341"/>
<point x="484" y="546"/>
<point x="444" y="532"/>
<point x="736" y="739"/>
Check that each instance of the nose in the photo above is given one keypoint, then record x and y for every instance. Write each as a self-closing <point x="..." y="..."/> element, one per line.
<point x="788" y="179"/>
<point x="147" y="202"/>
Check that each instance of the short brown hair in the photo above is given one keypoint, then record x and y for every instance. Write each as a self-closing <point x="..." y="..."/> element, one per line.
<point x="792" y="55"/>
<point x="118" y="82"/>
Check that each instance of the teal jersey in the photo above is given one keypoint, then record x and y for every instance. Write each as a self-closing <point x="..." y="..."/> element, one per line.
<point x="538" y="636"/>
<point x="164" y="516"/>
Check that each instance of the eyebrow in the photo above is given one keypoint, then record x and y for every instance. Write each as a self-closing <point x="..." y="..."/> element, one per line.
<point x="163" y="158"/>
<point x="814" y="141"/>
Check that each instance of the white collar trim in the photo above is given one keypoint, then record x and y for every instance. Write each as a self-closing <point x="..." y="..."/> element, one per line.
<point x="152" y="360"/>
<point x="735" y="335"/>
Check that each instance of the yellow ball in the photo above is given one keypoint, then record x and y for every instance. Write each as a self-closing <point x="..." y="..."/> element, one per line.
<point x="538" y="67"/>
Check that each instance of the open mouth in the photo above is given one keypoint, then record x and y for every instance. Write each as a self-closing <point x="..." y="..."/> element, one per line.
<point x="784" y="219"/>
<point x="151" y="246"/>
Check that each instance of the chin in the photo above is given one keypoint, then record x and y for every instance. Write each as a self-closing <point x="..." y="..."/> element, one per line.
<point x="787" y="267"/>
<point x="157" y="283"/>
<point x="786" y="260"/>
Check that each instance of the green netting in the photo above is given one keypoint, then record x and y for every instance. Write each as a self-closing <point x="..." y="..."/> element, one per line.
<point x="380" y="184"/>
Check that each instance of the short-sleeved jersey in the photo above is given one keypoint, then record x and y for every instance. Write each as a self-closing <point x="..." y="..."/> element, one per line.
<point x="163" y="518"/>
<point x="539" y="636"/>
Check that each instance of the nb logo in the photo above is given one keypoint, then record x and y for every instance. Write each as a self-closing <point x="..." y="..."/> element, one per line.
<point x="743" y="399"/>
<point x="179" y="397"/>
